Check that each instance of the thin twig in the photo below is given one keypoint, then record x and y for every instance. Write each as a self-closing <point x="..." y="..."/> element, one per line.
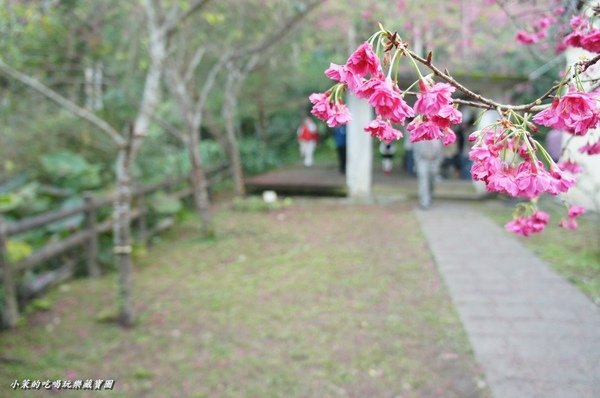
<point x="486" y="103"/>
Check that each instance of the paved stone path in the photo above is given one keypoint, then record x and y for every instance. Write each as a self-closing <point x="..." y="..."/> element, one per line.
<point x="534" y="334"/>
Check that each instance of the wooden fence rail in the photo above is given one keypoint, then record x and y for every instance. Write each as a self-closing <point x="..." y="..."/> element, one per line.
<point x="87" y="236"/>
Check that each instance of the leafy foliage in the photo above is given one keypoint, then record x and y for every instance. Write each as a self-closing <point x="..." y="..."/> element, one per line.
<point x="71" y="170"/>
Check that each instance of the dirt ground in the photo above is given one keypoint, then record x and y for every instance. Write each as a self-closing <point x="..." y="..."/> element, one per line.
<point x="320" y="299"/>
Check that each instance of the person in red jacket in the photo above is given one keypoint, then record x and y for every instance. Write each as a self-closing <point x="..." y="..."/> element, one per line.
<point x="307" y="138"/>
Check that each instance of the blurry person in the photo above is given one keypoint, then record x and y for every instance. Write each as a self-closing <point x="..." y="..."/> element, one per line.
<point x="307" y="138"/>
<point x="409" y="158"/>
<point x="339" y="136"/>
<point x="428" y="158"/>
<point x="387" y="150"/>
<point x="554" y="144"/>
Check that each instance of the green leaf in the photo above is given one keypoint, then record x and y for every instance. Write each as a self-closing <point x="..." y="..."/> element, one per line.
<point x="17" y="250"/>
<point x="9" y="201"/>
<point x="164" y="204"/>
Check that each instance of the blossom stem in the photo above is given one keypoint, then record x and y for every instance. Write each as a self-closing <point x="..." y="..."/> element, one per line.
<point x="336" y="92"/>
<point x="389" y="74"/>
<point x="545" y="154"/>
<point x="407" y="90"/>
<point x="374" y="37"/>
<point x="408" y="53"/>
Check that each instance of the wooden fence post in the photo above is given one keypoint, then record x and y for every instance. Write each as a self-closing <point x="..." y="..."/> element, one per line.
<point x="11" y="309"/>
<point x="92" y="245"/>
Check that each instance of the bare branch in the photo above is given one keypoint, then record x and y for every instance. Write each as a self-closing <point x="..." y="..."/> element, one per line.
<point x="280" y="33"/>
<point x="208" y="84"/>
<point x="486" y="103"/>
<point x="178" y="87"/>
<point x="194" y="62"/>
<point x="64" y="102"/>
<point x="513" y="19"/>
<point x="170" y="129"/>
<point x="177" y="18"/>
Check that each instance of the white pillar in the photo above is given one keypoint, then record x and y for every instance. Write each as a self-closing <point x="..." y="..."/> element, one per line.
<point x="485" y="120"/>
<point x="587" y="191"/>
<point x="360" y="149"/>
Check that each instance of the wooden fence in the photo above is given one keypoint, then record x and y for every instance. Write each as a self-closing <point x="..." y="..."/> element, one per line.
<point x="87" y="236"/>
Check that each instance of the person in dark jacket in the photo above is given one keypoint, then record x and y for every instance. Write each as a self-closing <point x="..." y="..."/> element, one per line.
<point x="339" y="136"/>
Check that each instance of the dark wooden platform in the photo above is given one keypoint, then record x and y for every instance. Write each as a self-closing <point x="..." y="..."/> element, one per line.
<point x="325" y="180"/>
<point x="300" y="180"/>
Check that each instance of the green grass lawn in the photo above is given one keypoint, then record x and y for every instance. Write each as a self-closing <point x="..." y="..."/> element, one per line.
<point x="575" y="254"/>
<point x="319" y="299"/>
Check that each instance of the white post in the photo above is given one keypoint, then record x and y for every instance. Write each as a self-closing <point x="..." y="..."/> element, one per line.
<point x="587" y="191"/>
<point x="360" y="149"/>
<point x="485" y="120"/>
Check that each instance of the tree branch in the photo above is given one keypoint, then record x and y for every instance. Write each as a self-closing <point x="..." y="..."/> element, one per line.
<point x="280" y="33"/>
<point x="486" y="103"/>
<point x="64" y="102"/>
<point x="172" y="23"/>
<point x="170" y="129"/>
<point x="194" y="62"/>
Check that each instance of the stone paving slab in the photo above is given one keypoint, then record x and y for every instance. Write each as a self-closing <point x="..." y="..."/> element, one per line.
<point x="534" y="334"/>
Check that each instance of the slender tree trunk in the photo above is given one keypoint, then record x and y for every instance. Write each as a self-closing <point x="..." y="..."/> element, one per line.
<point x="262" y="118"/>
<point x="233" y="148"/>
<point x="199" y="184"/>
<point x="122" y="237"/>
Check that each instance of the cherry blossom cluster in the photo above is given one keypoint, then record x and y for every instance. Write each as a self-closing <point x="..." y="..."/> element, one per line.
<point x="583" y="36"/>
<point x="526" y="225"/>
<point x="540" y="29"/>
<point x="364" y="76"/>
<point x="506" y="157"/>
<point x="570" y="222"/>
<point x="575" y="112"/>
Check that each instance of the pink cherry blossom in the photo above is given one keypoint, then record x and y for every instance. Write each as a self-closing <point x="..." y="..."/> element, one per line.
<point x="473" y="136"/>
<point x="448" y="115"/>
<point x="583" y="35"/>
<point x="591" y="148"/>
<point x="342" y="74"/>
<point x="561" y="182"/>
<point x="558" y="11"/>
<point x="321" y="105"/>
<point x="433" y="97"/>
<point x="579" y="22"/>
<point x="364" y="61"/>
<point x="540" y="26"/>
<point x="326" y="110"/>
<point x="591" y="41"/>
<point x="389" y="103"/>
<point x="569" y="223"/>
<point x="526" y="38"/>
<point x="532" y="181"/>
<point x="449" y="137"/>
<point x="383" y="130"/>
<point x="575" y="112"/>
<point x="525" y="226"/>
<point x="339" y="116"/>
<point x="494" y="164"/>
<point x="544" y="23"/>
<point x="570" y="166"/>
<point x="423" y="129"/>
<point x="575" y="211"/>
<point x="367" y="88"/>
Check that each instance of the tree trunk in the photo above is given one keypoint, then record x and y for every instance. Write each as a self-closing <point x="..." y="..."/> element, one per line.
<point x="200" y="185"/>
<point x="122" y="238"/>
<point x="262" y="119"/>
<point x="233" y="149"/>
